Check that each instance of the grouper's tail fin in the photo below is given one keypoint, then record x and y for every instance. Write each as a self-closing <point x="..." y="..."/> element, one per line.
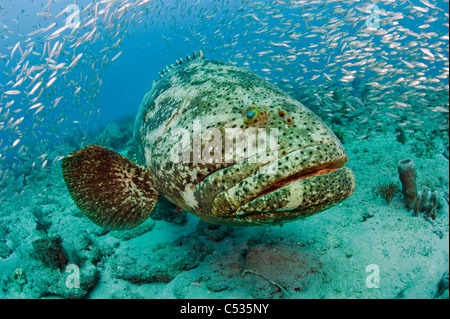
<point x="109" y="189"/>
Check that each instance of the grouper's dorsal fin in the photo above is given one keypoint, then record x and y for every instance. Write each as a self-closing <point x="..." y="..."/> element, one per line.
<point x="196" y="55"/>
<point x="109" y="189"/>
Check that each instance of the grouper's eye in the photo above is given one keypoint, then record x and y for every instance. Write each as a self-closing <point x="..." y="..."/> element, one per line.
<point x="250" y="115"/>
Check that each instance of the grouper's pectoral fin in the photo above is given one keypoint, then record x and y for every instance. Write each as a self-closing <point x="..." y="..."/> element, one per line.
<point x="109" y="189"/>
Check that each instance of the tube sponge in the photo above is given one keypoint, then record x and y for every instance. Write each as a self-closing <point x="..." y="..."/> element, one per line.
<point x="407" y="174"/>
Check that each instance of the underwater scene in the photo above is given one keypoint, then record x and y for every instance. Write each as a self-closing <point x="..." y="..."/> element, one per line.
<point x="229" y="149"/>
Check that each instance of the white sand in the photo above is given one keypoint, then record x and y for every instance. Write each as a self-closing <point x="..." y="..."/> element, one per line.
<point x="324" y="256"/>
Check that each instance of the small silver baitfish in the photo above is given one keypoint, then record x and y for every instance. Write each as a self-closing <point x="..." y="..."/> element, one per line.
<point x="303" y="175"/>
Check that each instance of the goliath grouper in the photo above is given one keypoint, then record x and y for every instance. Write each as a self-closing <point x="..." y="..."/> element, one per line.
<point x="307" y="172"/>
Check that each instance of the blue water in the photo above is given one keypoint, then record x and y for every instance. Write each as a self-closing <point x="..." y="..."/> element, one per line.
<point x="168" y="34"/>
<point x="318" y="51"/>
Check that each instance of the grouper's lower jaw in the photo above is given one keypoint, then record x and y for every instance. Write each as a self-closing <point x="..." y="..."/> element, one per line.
<point x="298" y="199"/>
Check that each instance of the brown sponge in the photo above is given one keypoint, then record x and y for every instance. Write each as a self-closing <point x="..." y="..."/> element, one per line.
<point x="407" y="175"/>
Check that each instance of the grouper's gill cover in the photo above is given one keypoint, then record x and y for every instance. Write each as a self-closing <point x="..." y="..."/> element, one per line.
<point x="205" y="98"/>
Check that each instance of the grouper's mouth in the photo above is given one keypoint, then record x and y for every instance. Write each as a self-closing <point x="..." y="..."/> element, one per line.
<point x="298" y="184"/>
<point x="297" y="197"/>
<point x="315" y="171"/>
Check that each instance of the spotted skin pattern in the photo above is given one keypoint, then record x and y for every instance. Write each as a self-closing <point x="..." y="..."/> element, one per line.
<point x="215" y="94"/>
<point x="214" y="116"/>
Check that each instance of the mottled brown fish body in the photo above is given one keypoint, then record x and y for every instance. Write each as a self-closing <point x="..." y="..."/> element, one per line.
<point x="216" y="94"/>
<point x="198" y="136"/>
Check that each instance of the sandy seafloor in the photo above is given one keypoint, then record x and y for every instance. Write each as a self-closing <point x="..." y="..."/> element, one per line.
<point x="323" y="256"/>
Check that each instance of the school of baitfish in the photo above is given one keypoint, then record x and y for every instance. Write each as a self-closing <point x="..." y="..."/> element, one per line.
<point x="360" y="65"/>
